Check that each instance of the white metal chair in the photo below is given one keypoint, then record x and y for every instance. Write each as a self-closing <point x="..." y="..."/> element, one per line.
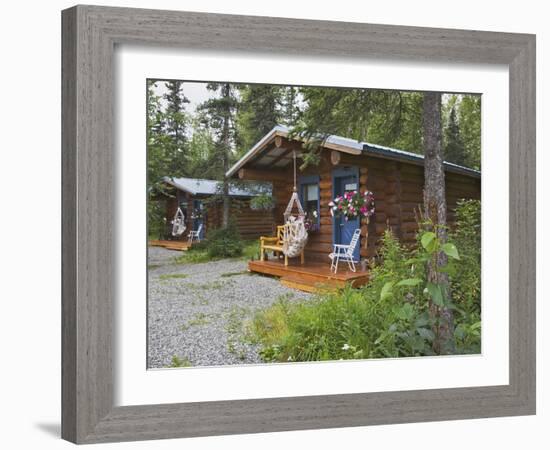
<point x="344" y="252"/>
<point x="195" y="234"/>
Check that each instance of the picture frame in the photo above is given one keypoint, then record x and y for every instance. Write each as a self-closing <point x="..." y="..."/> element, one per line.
<point x="90" y="34"/>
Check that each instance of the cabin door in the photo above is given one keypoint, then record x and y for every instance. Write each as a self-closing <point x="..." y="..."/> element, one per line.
<point x="345" y="180"/>
<point x="198" y="217"/>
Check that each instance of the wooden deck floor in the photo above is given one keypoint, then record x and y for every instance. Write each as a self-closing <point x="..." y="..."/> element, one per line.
<point x="171" y="245"/>
<point x="311" y="276"/>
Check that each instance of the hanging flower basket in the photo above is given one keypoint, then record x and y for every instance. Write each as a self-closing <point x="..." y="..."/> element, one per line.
<point x="353" y="204"/>
<point x="196" y="214"/>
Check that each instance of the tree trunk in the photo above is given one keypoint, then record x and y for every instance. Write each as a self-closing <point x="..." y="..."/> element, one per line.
<point x="226" y="149"/>
<point x="435" y="211"/>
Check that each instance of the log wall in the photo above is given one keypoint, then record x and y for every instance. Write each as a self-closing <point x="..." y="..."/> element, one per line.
<point x="398" y="191"/>
<point x="250" y="223"/>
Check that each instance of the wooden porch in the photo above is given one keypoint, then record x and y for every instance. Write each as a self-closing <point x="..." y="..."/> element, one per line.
<point x="311" y="276"/>
<point x="171" y="245"/>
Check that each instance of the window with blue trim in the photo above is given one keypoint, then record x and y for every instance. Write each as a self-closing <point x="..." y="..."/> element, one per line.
<point x="309" y="198"/>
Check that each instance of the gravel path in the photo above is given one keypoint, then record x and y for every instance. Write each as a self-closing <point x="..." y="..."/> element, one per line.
<point x="197" y="315"/>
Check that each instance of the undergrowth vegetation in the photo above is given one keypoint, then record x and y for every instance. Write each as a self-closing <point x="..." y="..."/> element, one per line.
<point x="389" y="317"/>
<point x="225" y="242"/>
<point x="221" y="243"/>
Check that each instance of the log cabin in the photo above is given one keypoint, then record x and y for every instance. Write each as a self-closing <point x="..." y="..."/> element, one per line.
<point x="395" y="177"/>
<point x="195" y="197"/>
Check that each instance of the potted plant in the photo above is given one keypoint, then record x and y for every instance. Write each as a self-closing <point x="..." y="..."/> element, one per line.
<point x="196" y="213"/>
<point x="311" y="221"/>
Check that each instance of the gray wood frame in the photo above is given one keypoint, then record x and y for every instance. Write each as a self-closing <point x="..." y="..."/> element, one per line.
<point x="89" y="36"/>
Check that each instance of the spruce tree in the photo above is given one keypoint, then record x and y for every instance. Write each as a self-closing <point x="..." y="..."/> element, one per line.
<point x="175" y="128"/>
<point x="469" y="117"/>
<point x="218" y="113"/>
<point x="259" y="111"/>
<point x="389" y="118"/>
<point x="157" y="160"/>
<point x="455" y="150"/>
<point x="290" y="107"/>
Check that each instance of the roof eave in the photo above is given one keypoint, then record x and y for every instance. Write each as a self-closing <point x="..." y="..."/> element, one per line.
<point x="373" y="150"/>
<point x="172" y="183"/>
<point x="419" y="161"/>
<point x="276" y="131"/>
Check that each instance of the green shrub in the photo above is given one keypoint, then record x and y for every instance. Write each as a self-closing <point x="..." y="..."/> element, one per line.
<point x="348" y="324"/>
<point x="221" y="243"/>
<point x="389" y="317"/>
<point x="225" y="242"/>
<point x="251" y="249"/>
<point x="193" y="256"/>
<point x="179" y="362"/>
<point x="466" y="285"/>
<point x="156" y="223"/>
<point x="262" y="202"/>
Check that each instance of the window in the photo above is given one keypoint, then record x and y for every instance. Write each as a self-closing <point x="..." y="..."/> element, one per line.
<point x="309" y="197"/>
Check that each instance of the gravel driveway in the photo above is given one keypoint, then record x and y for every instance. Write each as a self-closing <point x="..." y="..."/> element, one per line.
<point x="197" y="311"/>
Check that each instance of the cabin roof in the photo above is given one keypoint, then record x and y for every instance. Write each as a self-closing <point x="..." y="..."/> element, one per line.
<point x="200" y="186"/>
<point x="275" y="158"/>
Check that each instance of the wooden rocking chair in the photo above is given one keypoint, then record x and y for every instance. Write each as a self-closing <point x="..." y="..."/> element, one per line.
<point x="291" y="237"/>
<point x="276" y="245"/>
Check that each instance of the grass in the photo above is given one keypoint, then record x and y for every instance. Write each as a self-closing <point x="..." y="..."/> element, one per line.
<point x="180" y="362"/>
<point x="199" y="253"/>
<point x="234" y="274"/>
<point x="234" y="328"/>
<point x="271" y="325"/>
<point x="199" y="319"/>
<point x="170" y="276"/>
<point x="216" y="284"/>
<point x="193" y="256"/>
<point x="251" y="250"/>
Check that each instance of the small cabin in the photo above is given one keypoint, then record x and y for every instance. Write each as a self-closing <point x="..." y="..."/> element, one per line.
<point x="199" y="201"/>
<point x="395" y="177"/>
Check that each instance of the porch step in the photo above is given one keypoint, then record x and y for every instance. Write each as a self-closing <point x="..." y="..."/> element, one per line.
<point x="171" y="245"/>
<point x="303" y="284"/>
<point x="176" y="247"/>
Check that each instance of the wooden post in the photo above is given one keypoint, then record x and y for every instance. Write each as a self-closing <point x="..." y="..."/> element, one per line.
<point x="363" y="179"/>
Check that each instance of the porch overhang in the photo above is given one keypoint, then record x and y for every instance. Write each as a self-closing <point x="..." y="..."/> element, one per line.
<point x="275" y="151"/>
